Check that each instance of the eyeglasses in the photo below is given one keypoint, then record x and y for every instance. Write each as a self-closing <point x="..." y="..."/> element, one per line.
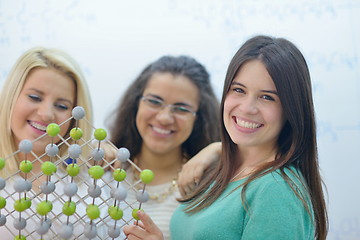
<point x="157" y="104"/>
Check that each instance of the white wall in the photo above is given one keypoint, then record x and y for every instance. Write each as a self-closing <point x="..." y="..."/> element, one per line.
<point x="113" y="40"/>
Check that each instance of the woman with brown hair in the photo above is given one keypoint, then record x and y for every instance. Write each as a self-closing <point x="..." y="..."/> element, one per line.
<point x="267" y="184"/>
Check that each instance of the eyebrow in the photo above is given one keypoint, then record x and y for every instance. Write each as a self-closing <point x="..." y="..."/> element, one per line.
<point x="176" y="104"/>
<point x="265" y="91"/>
<point x="59" y="99"/>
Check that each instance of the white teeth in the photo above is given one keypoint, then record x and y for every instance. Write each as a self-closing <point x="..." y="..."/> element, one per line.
<point x="161" y="131"/>
<point x="244" y="124"/>
<point x="38" y="126"/>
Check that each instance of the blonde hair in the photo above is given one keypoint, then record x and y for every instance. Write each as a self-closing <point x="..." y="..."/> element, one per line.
<point x="38" y="57"/>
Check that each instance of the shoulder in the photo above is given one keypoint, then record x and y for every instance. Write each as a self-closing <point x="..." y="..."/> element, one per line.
<point x="272" y="201"/>
<point x="277" y="185"/>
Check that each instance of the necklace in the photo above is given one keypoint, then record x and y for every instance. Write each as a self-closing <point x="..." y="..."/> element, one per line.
<point x="238" y="174"/>
<point x="158" y="196"/>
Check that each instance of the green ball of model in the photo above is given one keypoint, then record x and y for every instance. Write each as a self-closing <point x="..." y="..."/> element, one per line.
<point x="115" y="212"/>
<point x="146" y="176"/>
<point x="22" y="204"/>
<point x="48" y="168"/>
<point x="19" y="205"/>
<point x="119" y="174"/>
<point x="2" y="163"/>
<point x="2" y="202"/>
<point x="53" y="129"/>
<point x="69" y="208"/>
<point x="44" y="207"/>
<point x="92" y="211"/>
<point x="76" y="133"/>
<point x="26" y="166"/>
<point x="19" y="237"/>
<point x="27" y="202"/>
<point x="135" y="213"/>
<point x="96" y="172"/>
<point x="100" y="134"/>
<point x="73" y="169"/>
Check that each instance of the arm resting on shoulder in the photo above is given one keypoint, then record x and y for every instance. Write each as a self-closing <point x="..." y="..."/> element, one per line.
<point x="193" y="170"/>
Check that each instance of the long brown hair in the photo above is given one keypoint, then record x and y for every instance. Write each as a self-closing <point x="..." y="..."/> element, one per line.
<point x="297" y="140"/>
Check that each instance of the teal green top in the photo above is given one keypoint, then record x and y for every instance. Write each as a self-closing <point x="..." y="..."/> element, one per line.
<point x="275" y="212"/>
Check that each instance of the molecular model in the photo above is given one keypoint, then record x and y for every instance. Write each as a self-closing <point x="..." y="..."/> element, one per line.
<point x="81" y="194"/>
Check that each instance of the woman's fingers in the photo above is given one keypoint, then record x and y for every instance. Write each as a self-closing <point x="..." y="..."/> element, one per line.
<point x="146" y="229"/>
<point x="149" y="225"/>
<point x="186" y="182"/>
<point x="132" y="232"/>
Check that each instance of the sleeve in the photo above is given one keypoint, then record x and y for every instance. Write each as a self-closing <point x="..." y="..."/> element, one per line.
<point x="275" y="212"/>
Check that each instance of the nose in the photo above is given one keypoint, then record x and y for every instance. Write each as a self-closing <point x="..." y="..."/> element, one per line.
<point x="46" y="112"/>
<point x="165" y="116"/>
<point x="249" y="105"/>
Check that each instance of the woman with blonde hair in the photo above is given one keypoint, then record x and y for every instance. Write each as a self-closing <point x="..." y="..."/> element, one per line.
<point x="42" y="88"/>
<point x="33" y="60"/>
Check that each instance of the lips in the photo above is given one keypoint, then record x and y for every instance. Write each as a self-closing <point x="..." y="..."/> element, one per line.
<point x="162" y="131"/>
<point x="37" y="126"/>
<point x="245" y="124"/>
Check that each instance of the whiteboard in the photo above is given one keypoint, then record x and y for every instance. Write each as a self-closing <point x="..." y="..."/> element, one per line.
<point x="113" y="40"/>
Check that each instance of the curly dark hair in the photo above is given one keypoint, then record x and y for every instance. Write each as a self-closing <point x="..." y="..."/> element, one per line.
<point x="122" y="127"/>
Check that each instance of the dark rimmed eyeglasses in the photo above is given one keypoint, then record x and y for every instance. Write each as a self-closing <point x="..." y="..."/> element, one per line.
<point x="157" y="104"/>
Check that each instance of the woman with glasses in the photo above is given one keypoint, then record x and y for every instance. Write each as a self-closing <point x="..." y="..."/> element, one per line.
<point x="166" y="116"/>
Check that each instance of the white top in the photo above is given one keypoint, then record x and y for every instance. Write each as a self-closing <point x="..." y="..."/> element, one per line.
<point x="160" y="210"/>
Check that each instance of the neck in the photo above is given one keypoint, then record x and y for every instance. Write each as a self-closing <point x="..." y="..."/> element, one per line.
<point x="246" y="170"/>
<point x="253" y="157"/>
<point x="250" y="159"/>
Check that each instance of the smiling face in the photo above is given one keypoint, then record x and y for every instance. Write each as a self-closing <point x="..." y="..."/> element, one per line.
<point x="162" y="130"/>
<point x="253" y="114"/>
<point x="47" y="96"/>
